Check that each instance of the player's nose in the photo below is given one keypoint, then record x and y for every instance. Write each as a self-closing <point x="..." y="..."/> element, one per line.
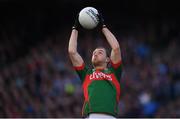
<point x="95" y="55"/>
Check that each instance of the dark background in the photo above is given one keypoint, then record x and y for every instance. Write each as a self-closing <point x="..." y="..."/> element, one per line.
<point x="37" y="78"/>
<point x="39" y="19"/>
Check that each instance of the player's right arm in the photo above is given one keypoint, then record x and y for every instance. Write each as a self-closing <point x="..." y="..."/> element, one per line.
<point x="75" y="57"/>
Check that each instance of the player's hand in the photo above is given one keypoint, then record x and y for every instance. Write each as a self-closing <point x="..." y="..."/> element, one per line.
<point x="101" y="21"/>
<point x="76" y="23"/>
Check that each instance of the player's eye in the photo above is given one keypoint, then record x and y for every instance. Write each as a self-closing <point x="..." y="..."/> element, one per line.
<point x="100" y="52"/>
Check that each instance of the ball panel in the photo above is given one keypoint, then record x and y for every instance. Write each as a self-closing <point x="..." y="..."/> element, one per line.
<point x="88" y="18"/>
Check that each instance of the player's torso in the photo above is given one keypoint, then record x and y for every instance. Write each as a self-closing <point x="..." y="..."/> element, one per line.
<point x="101" y="91"/>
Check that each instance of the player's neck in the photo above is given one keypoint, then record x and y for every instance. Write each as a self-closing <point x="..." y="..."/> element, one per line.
<point x="100" y="67"/>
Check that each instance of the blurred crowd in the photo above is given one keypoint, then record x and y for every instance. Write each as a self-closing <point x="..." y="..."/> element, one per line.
<point x="43" y="83"/>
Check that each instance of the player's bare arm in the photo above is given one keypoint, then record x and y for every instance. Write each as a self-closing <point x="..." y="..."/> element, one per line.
<point x="75" y="57"/>
<point x="116" y="52"/>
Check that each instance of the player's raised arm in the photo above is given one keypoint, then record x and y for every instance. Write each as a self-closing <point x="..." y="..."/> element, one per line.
<point x="75" y="57"/>
<point x="116" y="52"/>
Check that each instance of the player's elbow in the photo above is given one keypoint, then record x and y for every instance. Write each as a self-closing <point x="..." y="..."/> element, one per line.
<point x="116" y="50"/>
<point x="72" y="52"/>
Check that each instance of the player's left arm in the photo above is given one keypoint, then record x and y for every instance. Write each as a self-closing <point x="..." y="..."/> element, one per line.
<point x="113" y="42"/>
<point x="116" y="51"/>
<point x="116" y="60"/>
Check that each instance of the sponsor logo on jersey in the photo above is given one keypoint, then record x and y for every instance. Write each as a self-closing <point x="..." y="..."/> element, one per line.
<point x="100" y="76"/>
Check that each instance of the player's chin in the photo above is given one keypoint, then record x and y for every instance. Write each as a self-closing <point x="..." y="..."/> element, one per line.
<point x="96" y="63"/>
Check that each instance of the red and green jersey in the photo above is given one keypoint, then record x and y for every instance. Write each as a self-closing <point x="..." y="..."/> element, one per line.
<point x="101" y="89"/>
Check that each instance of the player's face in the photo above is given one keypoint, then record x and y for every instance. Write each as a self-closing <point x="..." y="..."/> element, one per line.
<point x="99" y="56"/>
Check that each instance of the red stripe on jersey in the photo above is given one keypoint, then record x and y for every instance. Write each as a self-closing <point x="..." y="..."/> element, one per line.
<point x="85" y="85"/>
<point x="79" y="67"/>
<point x="117" y="64"/>
<point x="117" y="86"/>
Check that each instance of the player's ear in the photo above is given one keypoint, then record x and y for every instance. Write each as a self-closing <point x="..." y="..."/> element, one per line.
<point x="107" y="60"/>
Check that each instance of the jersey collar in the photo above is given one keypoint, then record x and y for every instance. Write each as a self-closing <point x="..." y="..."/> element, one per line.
<point x="99" y="69"/>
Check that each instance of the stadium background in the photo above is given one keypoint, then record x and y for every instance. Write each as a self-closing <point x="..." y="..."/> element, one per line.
<point x="37" y="78"/>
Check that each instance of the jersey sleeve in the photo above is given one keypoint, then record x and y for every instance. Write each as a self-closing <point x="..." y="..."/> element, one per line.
<point x="81" y="71"/>
<point x="117" y="68"/>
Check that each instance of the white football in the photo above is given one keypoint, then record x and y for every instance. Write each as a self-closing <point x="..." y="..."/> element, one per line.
<point x="88" y="17"/>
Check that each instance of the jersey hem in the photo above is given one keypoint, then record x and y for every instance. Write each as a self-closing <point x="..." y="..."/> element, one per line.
<point x="100" y="113"/>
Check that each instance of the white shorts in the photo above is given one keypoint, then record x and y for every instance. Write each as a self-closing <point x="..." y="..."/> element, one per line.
<point x="100" y="116"/>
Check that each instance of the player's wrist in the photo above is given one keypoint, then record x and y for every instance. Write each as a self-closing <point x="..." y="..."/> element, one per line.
<point x="73" y="27"/>
<point x="104" y="26"/>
